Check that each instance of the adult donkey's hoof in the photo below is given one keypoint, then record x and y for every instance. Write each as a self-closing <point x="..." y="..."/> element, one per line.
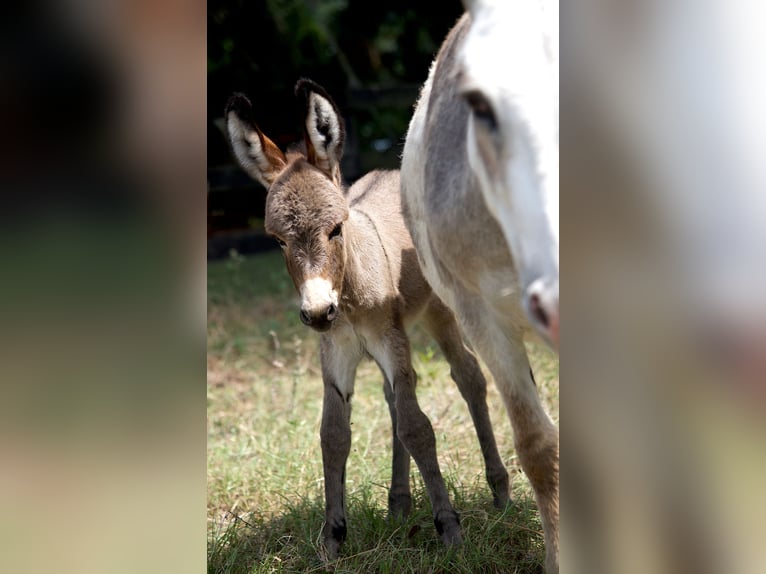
<point x="448" y="526"/>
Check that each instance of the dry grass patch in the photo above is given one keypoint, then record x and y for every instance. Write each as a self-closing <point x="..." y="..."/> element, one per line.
<point x="265" y="485"/>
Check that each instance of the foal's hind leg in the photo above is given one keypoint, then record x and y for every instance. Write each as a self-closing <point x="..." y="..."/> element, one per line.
<point x="392" y="352"/>
<point x="466" y="372"/>
<point x="399" y="498"/>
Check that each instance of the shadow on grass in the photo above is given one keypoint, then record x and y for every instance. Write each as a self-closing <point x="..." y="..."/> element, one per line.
<point x="495" y="541"/>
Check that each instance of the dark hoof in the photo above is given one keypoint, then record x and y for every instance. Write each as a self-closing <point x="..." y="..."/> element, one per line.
<point x="447" y="524"/>
<point x="399" y="507"/>
<point x="500" y="490"/>
<point x="501" y="502"/>
<point x="333" y="539"/>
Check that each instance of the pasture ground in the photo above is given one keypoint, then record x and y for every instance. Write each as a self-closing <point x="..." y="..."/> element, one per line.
<point x="265" y="485"/>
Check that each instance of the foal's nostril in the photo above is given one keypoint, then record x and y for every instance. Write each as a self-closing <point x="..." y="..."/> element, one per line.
<point x="305" y="317"/>
<point x="536" y="308"/>
<point x="332" y="311"/>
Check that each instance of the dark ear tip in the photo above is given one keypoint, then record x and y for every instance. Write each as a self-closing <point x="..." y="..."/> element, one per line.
<point x="304" y="86"/>
<point x="240" y="105"/>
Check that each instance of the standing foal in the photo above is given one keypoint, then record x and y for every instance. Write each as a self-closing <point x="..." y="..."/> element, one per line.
<point x="352" y="260"/>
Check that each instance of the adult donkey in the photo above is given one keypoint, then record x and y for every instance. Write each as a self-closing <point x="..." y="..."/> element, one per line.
<point x="352" y="260"/>
<point x="480" y="198"/>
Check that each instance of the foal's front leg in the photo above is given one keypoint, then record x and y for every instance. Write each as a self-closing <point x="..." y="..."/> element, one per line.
<point x="399" y="497"/>
<point x="339" y="361"/>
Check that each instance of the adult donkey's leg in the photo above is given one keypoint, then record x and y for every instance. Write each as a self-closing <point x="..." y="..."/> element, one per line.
<point x="537" y="444"/>
<point x="399" y="498"/>
<point x="466" y="372"/>
<point x="535" y="436"/>
<point x="338" y="371"/>
<point x="392" y="353"/>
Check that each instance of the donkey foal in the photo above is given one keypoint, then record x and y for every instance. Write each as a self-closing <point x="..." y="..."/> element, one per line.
<point x="353" y="262"/>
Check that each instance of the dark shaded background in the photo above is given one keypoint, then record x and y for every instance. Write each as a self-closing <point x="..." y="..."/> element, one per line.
<point x="371" y="57"/>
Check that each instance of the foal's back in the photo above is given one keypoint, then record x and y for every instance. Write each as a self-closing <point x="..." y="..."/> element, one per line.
<point x="376" y="195"/>
<point x="383" y="246"/>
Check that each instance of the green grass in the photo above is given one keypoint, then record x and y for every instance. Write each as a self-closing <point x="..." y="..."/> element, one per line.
<point x="265" y="484"/>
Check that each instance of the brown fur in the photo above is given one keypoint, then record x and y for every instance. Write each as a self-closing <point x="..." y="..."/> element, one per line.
<point x="372" y="266"/>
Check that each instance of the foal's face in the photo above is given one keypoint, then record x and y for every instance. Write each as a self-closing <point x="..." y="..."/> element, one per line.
<point x="305" y="207"/>
<point x="509" y="78"/>
<point x="305" y="212"/>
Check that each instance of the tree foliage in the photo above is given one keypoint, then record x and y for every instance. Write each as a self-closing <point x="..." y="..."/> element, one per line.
<point x="262" y="48"/>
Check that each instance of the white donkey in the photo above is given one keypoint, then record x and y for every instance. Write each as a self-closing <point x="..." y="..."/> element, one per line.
<point x="480" y="197"/>
<point x="353" y="262"/>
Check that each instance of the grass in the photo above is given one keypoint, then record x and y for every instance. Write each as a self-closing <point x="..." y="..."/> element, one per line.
<point x="265" y="484"/>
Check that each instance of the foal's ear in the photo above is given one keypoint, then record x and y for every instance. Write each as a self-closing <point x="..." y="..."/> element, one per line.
<point x="256" y="154"/>
<point x="323" y="129"/>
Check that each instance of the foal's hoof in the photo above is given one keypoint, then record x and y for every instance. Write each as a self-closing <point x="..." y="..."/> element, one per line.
<point x="448" y="526"/>
<point x="500" y="491"/>
<point x="334" y="535"/>
<point x="330" y="550"/>
<point x="501" y="500"/>
<point x="399" y="507"/>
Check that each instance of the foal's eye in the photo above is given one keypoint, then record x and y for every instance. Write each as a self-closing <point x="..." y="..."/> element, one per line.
<point x="482" y="109"/>
<point x="282" y="244"/>
<point x="336" y="231"/>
